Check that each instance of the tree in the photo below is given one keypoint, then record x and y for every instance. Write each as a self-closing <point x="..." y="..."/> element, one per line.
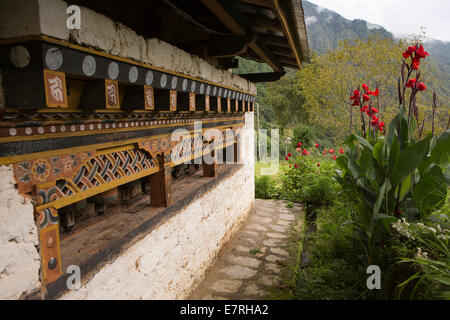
<point x="328" y="82"/>
<point x="285" y="102"/>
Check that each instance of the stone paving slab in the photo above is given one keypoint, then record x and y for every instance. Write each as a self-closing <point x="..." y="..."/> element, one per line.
<point x="250" y="264"/>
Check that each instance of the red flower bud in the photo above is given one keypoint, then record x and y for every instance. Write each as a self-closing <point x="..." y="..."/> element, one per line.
<point x="317" y="145"/>
<point x="290" y="154"/>
<point x="422" y="86"/>
<point x="411" y="83"/>
<point x="331" y="151"/>
<point x="287" y="158"/>
<point x="376" y="93"/>
<point x="299" y="144"/>
<point x="296" y="165"/>
<point x="366" y="97"/>
<point x="318" y="164"/>
<point x="334" y="157"/>
<point x="341" y="151"/>
<point x="415" y="63"/>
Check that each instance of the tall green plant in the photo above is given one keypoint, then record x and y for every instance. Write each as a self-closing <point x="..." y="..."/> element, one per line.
<point x="398" y="174"/>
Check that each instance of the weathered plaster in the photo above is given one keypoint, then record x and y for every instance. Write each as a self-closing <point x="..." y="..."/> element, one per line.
<point x="19" y="257"/>
<point x="20" y="18"/>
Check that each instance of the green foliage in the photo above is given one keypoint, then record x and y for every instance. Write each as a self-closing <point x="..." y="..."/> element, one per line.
<point x="304" y="134"/>
<point x="308" y="183"/>
<point x="333" y="270"/>
<point x="424" y="259"/>
<point x="265" y="188"/>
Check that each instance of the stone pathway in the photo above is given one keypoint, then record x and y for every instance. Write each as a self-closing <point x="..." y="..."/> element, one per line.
<point x="249" y="265"/>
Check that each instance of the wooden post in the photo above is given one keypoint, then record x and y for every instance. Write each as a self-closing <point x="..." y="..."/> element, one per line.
<point x="161" y="184"/>
<point x="237" y="151"/>
<point x="210" y="170"/>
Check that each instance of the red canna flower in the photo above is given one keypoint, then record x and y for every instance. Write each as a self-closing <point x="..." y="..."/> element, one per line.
<point x="299" y="144"/>
<point x="317" y="145"/>
<point x="341" y="151"/>
<point x="305" y="152"/>
<point x="296" y="165"/>
<point x="421" y="53"/>
<point x="324" y="153"/>
<point x="290" y="154"/>
<point x="331" y="151"/>
<point x="415" y="63"/>
<point x="422" y="87"/>
<point x="334" y="157"/>
<point x="287" y="158"/>
<point x="318" y="164"/>
<point x="355" y="102"/>
<point x="411" y="83"/>
<point x="409" y="52"/>
<point x="366" y="97"/>
<point x="376" y="93"/>
<point x="371" y="111"/>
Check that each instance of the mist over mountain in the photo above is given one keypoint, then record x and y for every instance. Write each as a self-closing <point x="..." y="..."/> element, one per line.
<point x="326" y="28"/>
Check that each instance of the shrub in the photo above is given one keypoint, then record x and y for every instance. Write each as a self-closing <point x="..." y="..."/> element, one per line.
<point x="265" y="188"/>
<point x="304" y="134"/>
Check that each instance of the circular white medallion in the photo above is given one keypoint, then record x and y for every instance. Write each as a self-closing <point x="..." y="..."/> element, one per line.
<point x="214" y="91"/>
<point x="62" y="129"/>
<point x="133" y="74"/>
<point x="193" y="85"/>
<point x="185" y="84"/>
<point x="149" y="78"/>
<point x="163" y="81"/>
<point x="89" y="65"/>
<point x="208" y="90"/>
<point x="54" y="58"/>
<point x="53" y="129"/>
<point x="20" y="56"/>
<point x="41" y="130"/>
<point x="113" y="70"/>
<point x="12" y="131"/>
<point x="174" y="83"/>
<point x="202" y="88"/>
<point x="73" y="128"/>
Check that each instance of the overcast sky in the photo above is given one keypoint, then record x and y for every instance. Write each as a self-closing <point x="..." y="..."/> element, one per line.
<point x="401" y="17"/>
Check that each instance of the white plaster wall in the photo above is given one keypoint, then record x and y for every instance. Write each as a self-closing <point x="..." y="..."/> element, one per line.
<point x="171" y="260"/>
<point x="20" y="18"/>
<point x="19" y="257"/>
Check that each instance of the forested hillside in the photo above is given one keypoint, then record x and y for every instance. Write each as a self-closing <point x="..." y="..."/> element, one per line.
<point x="283" y="104"/>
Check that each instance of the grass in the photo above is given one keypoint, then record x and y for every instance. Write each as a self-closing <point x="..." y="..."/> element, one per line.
<point x="324" y="265"/>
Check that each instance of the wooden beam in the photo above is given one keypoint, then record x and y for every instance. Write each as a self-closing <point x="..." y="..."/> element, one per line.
<point x="230" y="18"/>
<point x="223" y="13"/>
<point x="262" y="3"/>
<point x="161" y="184"/>
<point x="261" y="50"/>
<point x="282" y="10"/>
<point x="281" y="51"/>
<point x="262" y="22"/>
<point x="274" y="40"/>
<point x="228" y="47"/>
<point x="263" y="76"/>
